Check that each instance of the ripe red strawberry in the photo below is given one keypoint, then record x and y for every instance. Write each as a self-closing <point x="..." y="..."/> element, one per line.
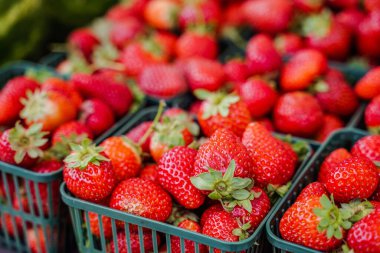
<point x="309" y="5"/>
<point x="329" y="125"/>
<point x="335" y="95"/>
<point x="220" y="110"/>
<point x="127" y="9"/>
<point x="116" y="95"/>
<point x="93" y="221"/>
<point x="325" y="34"/>
<point x="204" y="74"/>
<point x="369" y="147"/>
<point x="84" y="40"/>
<point x="236" y="70"/>
<point x="368" y="34"/>
<point x="174" y="172"/>
<point x="162" y="81"/>
<point x="288" y="43"/>
<point x="73" y="130"/>
<point x="96" y="115"/>
<point x="315" y="189"/>
<point x="162" y="14"/>
<point x="12" y="224"/>
<point x="264" y="150"/>
<point x="22" y="146"/>
<point x="269" y="16"/>
<point x="298" y="113"/>
<point x="302" y="69"/>
<point x="364" y="236"/>
<point x="124" y="155"/>
<point x="368" y="86"/>
<point x="358" y="176"/>
<point x="175" y="241"/>
<point x="91" y="179"/>
<point x="149" y="172"/>
<point x="209" y="211"/>
<point x="10" y="98"/>
<point x="134" y="242"/>
<point x="371" y="5"/>
<point x="372" y="116"/>
<point x="124" y="31"/>
<point x="167" y="42"/>
<point x="344" y="4"/>
<point x="260" y="207"/>
<point x="231" y="15"/>
<point x="332" y="160"/>
<point x="37" y="241"/>
<point x="376" y="195"/>
<point x="207" y="46"/>
<point x="262" y="56"/>
<point x="301" y="224"/>
<point x="136" y="133"/>
<point x="259" y="97"/>
<point x="43" y="189"/>
<point x="200" y="13"/>
<point x="267" y="123"/>
<point x="143" y="198"/>
<point x="351" y="19"/>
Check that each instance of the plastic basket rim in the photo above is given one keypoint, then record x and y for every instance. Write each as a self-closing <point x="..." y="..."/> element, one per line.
<point x="278" y="241"/>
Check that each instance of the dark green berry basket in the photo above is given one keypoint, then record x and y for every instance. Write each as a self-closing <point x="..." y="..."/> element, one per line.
<point x="344" y="138"/>
<point x="34" y="214"/>
<point x="79" y="212"/>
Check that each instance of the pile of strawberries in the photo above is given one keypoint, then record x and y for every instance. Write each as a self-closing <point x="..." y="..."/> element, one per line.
<point x="161" y="171"/>
<point x="334" y="210"/>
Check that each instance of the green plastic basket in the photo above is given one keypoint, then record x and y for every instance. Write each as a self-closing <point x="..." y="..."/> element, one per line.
<point x="344" y="138"/>
<point x="88" y="243"/>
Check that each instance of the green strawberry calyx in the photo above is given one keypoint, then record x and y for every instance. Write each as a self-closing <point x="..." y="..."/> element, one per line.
<point x="242" y="231"/>
<point x="27" y="141"/>
<point x="180" y="214"/>
<point x="357" y="209"/>
<point x="62" y="148"/>
<point x="374" y="130"/>
<point x="226" y="188"/>
<point x="36" y="106"/>
<point x="83" y="154"/>
<point x="317" y="25"/>
<point x="155" y="122"/>
<point x="301" y="148"/>
<point x="217" y="102"/>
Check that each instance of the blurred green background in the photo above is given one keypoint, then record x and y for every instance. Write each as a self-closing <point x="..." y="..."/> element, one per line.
<point x="28" y="27"/>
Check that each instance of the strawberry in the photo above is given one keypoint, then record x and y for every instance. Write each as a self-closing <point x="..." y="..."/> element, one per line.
<point x="124" y="31"/>
<point x="332" y="160"/>
<point x="85" y="41"/>
<point x="73" y="130"/>
<point x="200" y="12"/>
<point x="96" y="115"/>
<point x="136" y="133"/>
<point x="298" y="113"/>
<point x="236" y="70"/>
<point x="351" y="19"/>
<point x="335" y="95"/>
<point x="303" y="68"/>
<point x="358" y="176"/>
<point x="364" y="236"/>
<point x="167" y="42"/>
<point x="265" y="149"/>
<point x="176" y="165"/>
<point x="259" y="96"/>
<point x="267" y="123"/>
<point x="13" y="225"/>
<point x="10" y="98"/>
<point x="43" y="189"/>
<point x="371" y="5"/>
<point x="92" y="178"/>
<point x="22" y="146"/>
<point x="195" y="107"/>
<point x="175" y="241"/>
<point x="376" y="194"/>
<point x="220" y="110"/>
<point x="288" y="43"/>
<point x="262" y="56"/>
<point x="372" y="116"/>
<point x="37" y="241"/>
<point x="162" y="14"/>
<point x="116" y="95"/>
<point x="269" y="16"/>
<point x="325" y="34"/>
<point x="162" y="81"/>
<point x="93" y="221"/>
<point x="368" y="86"/>
<point x="207" y="46"/>
<point x="369" y="147"/>
<point x="149" y="172"/>
<point x="49" y="108"/>
<point x="368" y="34"/>
<point x="126" y="9"/>
<point x="330" y="124"/>
<point x="143" y="198"/>
<point x="124" y="155"/>
<point x="344" y="4"/>
<point x="309" y="5"/>
<point x="231" y="15"/>
<point x="315" y="189"/>
<point x="208" y="212"/>
<point x="204" y="74"/>
<point x="134" y="242"/>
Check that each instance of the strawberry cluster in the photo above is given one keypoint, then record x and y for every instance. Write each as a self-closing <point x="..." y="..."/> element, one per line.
<point x="220" y="186"/>
<point x="334" y="211"/>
